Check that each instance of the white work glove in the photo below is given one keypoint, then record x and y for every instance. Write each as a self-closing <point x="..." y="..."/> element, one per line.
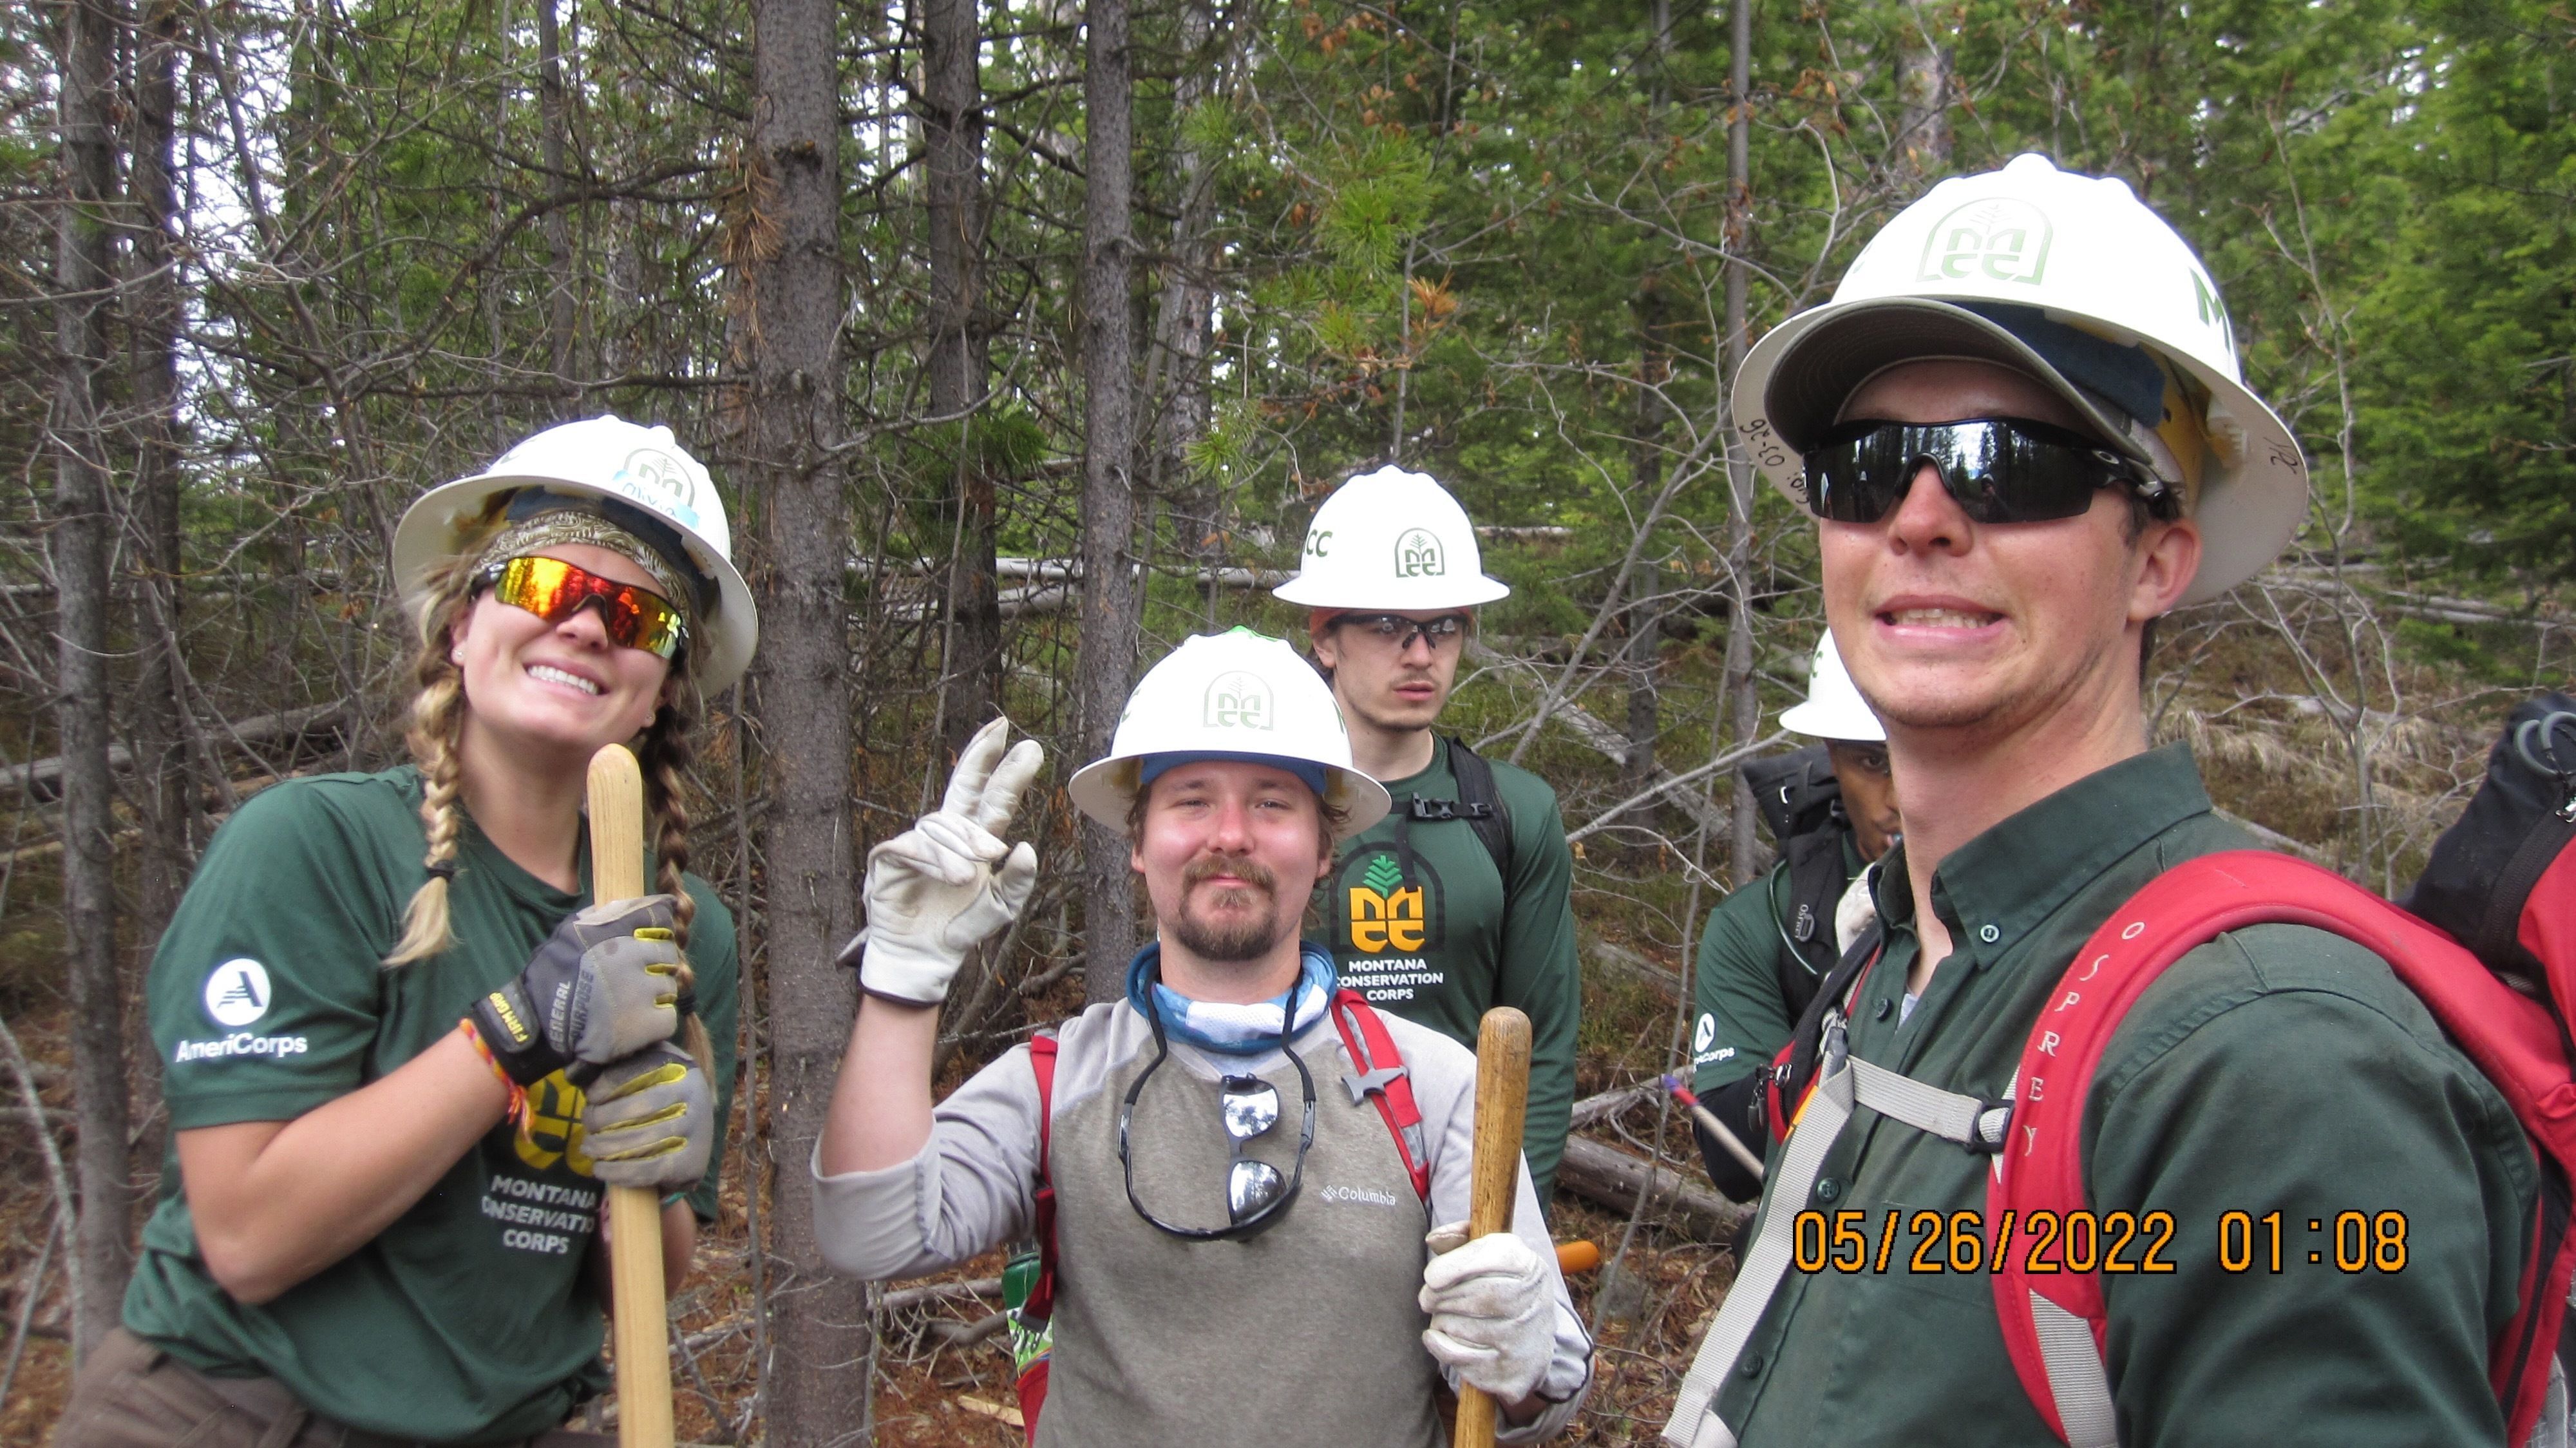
<point x="949" y="881"/>
<point x="1857" y="909"/>
<point x="1493" y="1318"/>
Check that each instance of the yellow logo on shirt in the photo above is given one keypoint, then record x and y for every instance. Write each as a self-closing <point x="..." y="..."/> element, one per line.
<point x="554" y="1132"/>
<point x="1385" y="912"/>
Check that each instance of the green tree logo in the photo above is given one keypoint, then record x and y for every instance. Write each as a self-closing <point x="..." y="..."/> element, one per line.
<point x="1383" y="874"/>
<point x="1418" y="555"/>
<point x="1238" y="700"/>
<point x="1998" y="239"/>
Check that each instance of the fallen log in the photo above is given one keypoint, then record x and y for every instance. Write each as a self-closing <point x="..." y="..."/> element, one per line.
<point x="1607" y="1176"/>
<point x="1593" y="1110"/>
<point x="42" y="778"/>
<point x="930" y="1292"/>
<point x="1633" y="965"/>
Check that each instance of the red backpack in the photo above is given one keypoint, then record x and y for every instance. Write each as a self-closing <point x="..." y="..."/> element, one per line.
<point x="1364" y="1038"/>
<point x="2487" y="940"/>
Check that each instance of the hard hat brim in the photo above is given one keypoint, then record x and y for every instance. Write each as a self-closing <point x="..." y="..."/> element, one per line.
<point x="1798" y="376"/>
<point x="1323" y="593"/>
<point x="432" y="530"/>
<point x="1838" y="726"/>
<point x="1105" y="789"/>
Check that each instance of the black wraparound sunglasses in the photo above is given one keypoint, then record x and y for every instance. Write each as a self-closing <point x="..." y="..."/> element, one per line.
<point x="1998" y="470"/>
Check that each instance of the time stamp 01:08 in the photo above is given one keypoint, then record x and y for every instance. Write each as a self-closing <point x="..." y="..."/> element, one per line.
<point x="2046" y="1243"/>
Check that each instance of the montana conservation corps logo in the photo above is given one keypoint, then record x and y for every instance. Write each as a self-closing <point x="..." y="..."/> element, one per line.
<point x="1385" y="913"/>
<point x="2000" y="239"/>
<point x="1418" y="554"/>
<point x="237" y="992"/>
<point x="1238" y="699"/>
<point x="554" y="1132"/>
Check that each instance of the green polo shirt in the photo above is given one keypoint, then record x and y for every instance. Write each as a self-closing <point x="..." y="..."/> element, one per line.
<point x="2276" y="1069"/>
<point x="470" y="1318"/>
<point x="1743" y="1019"/>
<point x="1453" y="939"/>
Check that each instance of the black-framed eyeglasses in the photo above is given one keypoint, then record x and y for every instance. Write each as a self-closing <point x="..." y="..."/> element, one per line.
<point x="1256" y="1195"/>
<point x="1394" y="628"/>
<point x="1998" y="470"/>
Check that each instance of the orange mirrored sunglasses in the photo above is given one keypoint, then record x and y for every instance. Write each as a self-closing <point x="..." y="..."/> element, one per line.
<point x="636" y="618"/>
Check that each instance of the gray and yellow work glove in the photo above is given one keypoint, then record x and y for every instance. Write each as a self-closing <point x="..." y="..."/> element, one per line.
<point x="1493" y="1310"/>
<point x="949" y="881"/>
<point x="604" y="986"/>
<point x="650" y="1120"/>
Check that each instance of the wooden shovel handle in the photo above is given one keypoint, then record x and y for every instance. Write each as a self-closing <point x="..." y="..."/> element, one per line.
<point x="1502" y="1102"/>
<point x="641" y="1319"/>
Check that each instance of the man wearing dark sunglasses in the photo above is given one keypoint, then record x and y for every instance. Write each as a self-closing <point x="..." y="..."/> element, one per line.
<point x="1235" y="1169"/>
<point x="1461" y="899"/>
<point x="2022" y="429"/>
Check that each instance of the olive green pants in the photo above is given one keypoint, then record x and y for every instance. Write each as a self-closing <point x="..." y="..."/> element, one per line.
<point x="130" y="1394"/>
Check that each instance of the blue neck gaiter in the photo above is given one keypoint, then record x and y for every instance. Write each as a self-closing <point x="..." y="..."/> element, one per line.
<point x="1230" y="1030"/>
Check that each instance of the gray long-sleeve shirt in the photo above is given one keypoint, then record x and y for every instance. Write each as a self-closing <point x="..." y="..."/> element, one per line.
<point x="1310" y="1332"/>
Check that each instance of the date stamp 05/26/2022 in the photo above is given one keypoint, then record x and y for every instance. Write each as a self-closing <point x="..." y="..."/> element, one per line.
<point x="1895" y="1239"/>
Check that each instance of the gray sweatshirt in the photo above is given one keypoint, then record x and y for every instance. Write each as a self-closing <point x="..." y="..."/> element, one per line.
<point x="1308" y="1333"/>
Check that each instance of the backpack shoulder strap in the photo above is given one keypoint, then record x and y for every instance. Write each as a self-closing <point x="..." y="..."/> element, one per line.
<point x="1041" y="1302"/>
<point x="1382" y="1074"/>
<point x="2054" y="1321"/>
<point x="1492" y="823"/>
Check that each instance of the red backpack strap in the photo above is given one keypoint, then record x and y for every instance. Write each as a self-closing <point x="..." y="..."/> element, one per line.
<point x="1042" y="1224"/>
<point x="1383" y="1075"/>
<point x="1781" y="1111"/>
<point x="2053" y="1318"/>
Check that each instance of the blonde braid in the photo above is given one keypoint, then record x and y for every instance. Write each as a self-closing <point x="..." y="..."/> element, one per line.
<point x="665" y="754"/>
<point x="437" y="722"/>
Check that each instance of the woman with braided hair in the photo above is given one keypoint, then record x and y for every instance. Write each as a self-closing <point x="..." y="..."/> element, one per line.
<point x="403" y="1049"/>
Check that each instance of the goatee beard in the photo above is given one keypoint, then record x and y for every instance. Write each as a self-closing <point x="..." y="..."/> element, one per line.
<point x="1234" y="944"/>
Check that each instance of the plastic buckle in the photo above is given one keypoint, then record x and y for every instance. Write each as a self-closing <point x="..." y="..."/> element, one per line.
<point x="1835" y="1048"/>
<point x="1976" y="1143"/>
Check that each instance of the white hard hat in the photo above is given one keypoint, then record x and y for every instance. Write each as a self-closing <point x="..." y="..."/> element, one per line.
<point x="601" y="457"/>
<point x="2105" y="276"/>
<point x="1234" y="695"/>
<point x="1834" y="708"/>
<point x="1391" y="539"/>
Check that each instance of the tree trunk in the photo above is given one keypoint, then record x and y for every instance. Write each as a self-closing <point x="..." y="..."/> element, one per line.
<point x="551" y="125"/>
<point x="1109" y="587"/>
<point x="815" y="1392"/>
<point x="1922" y="150"/>
<point x="1739" y="696"/>
<point x="1185" y="320"/>
<point x="161" y="784"/>
<point x="79" y="539"/>
<point x="1646" y="453"/>
<point x="952" y="123"/>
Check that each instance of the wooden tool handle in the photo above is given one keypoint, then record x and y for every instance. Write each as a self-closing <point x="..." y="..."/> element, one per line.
<point x="1502" y="1102"/>
<point x="641" y="1319"/>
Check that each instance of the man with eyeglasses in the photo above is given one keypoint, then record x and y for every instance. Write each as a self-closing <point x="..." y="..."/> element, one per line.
<point x="2021" y="427"/>
<point x="1233" y="1166"/>
<point x="1461" y="899"/>
<point x="1768" y="947"/>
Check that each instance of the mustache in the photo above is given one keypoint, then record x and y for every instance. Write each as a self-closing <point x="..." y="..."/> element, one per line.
<point x="1251" y="872"/>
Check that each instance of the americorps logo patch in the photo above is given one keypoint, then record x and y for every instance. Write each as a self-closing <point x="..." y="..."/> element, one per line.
<point x="237" y="992"/>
